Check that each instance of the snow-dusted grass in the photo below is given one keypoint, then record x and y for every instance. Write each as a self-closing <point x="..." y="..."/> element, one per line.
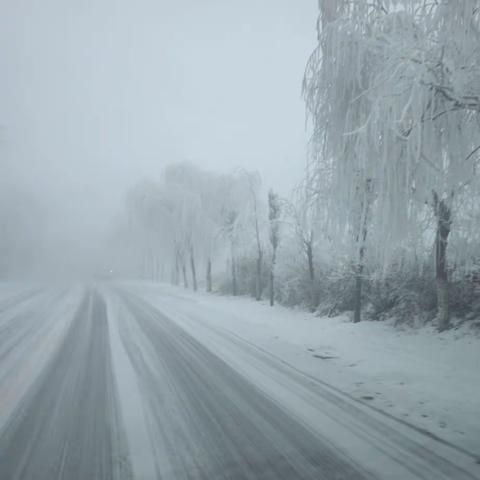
<point x="428" y="379"/>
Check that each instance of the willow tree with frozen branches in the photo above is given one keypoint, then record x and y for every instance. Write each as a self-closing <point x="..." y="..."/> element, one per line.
<point x="393" y="90"/>
<point x="274" y="218"/>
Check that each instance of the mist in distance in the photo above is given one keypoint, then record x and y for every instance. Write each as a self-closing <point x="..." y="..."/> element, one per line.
<point x="99" y="95"/>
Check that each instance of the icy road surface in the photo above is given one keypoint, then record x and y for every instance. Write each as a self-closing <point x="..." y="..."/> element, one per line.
<point x="101" y="382"/>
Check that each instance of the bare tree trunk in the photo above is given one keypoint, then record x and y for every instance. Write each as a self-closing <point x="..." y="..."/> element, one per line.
<point x="258" y="273"/>
<point x="357" y="312"/>
<point x="274" y="214"/>
<point x="209" y="274"/>
<point x="272" y="279"/>
<point x="184" y="272"/>
<point x="361" y="239"/>
<point x="234" y="278"/>
<point x="272" y="291"/>
<point x="192" y="267"/>
<point x="176" y="275"/>
<point x="234" y="273"/>
<point x="311" y="275"/>
<point x="443" y="215"/>
<point x="443" y="313"/>
<point x="258" y="278"/>
<point x="311" y="268"/>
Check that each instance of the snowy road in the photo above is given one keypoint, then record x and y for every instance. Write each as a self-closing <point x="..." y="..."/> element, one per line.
<point x="104" y="383"/>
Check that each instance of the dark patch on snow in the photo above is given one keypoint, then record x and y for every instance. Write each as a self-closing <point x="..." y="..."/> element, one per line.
<point x="324" y="357"/>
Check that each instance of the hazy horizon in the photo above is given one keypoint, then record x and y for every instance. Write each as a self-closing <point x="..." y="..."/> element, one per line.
<point x="99" y="95"/>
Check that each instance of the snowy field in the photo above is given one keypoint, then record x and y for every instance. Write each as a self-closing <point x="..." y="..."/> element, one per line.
<point x="146" y="381"/>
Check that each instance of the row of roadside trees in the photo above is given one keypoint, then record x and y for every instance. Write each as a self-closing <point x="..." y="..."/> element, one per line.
<point x="393" y="90"/>
<point x="387" y="219"/>
<point x="194" y="221"/>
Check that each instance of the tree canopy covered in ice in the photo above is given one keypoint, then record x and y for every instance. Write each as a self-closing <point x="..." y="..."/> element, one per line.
<point x="393" y="92"/>
<point x="387" y="216"/>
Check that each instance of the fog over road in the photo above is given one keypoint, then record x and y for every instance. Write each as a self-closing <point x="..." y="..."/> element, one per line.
<point x="100" y="382"/>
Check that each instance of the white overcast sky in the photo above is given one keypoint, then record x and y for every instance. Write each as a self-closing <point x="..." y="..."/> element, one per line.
<point x="97" y="94"/>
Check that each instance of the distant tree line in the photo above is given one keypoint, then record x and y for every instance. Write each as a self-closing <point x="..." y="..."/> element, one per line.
<point x="386" y="223"/>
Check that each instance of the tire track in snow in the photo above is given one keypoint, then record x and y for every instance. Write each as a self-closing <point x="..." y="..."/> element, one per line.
<point x="13" y="300"/>
<point x="67" y="426"/>
<point x="208" y="422"/>
<point x="389" y="447"/>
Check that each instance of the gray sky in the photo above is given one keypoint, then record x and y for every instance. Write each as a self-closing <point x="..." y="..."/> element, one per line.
<point x="96" y="94"/>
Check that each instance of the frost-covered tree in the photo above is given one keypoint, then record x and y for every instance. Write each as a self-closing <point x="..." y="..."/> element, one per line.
<point x="394" y="94"/>
<point x="242" y="224"/>
<point x="189" y="216"/>
<point x="230" y="231"/>
<point x="254" y="184"/>
<point x="274" y="214"/>
<point x="149" y="212"/>
<point x="303" y="213"/>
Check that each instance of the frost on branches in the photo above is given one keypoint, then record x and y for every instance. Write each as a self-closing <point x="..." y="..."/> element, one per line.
<point x="393" y="91"/>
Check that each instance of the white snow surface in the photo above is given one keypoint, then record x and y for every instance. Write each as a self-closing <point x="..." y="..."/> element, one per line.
<point x="41" y="320"/>
<point x="369" y="389"/>
<point x="429" y="380"/>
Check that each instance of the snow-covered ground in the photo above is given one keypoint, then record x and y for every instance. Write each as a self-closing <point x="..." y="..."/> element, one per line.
<point x="33" y="322"/>
<point x="429" y="380"/>
<point x="151" y="381"/>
